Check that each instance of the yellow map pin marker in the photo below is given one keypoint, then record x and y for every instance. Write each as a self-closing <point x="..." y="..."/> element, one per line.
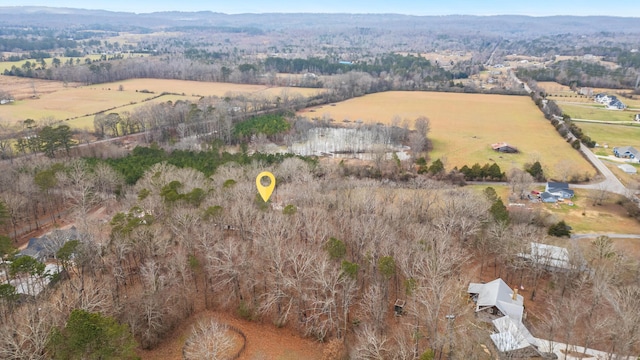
<point x="265" y="191"/>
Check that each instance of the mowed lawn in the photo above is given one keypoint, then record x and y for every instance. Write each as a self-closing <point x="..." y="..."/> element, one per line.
<point x="463" y="126"/>
<point x="593" y="111"/>
<point x="612" y="135"/>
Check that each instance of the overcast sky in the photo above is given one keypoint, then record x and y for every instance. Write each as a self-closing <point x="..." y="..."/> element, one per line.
<point x="630" y="8"/>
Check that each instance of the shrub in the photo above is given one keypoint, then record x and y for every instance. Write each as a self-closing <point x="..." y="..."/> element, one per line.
<point x="560" y="229"/>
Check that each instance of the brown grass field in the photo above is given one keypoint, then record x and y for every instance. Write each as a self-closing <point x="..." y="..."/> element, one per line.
<point x="54" y="100"/>
<point x="22" y="88"/>
<point x="463" y="127"/>
<point x="86" y="122"/>
<point x="201" y="88"/>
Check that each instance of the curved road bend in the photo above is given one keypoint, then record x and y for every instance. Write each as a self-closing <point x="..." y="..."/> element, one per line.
<point x="610" y="183"/>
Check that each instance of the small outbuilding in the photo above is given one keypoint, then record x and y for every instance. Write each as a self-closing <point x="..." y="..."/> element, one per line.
<point x="629" y="169"/>
<point x="503" y="147"/>
<point x="550" y="256"/>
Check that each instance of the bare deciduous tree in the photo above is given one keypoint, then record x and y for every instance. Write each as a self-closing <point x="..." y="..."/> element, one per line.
<point x="208" y="340"/>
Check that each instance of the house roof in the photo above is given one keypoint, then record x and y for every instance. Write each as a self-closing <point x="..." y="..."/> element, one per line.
<point x="626" y="149"/>
<point x="545" y="195"/>
<point x="497" y="293"/>
<point x="31" y="285"/>
<point x="548" y="255"/>
<point x="49" y="244"/>
<point x="628" y="168"/>
<point x="512" y="335"/>
<point x="556" y="186"/>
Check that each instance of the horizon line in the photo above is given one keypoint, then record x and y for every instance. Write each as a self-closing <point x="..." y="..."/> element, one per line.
<point x="311" y="12"/>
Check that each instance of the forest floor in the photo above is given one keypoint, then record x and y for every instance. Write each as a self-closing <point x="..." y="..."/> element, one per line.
<point x="264" y="341"/>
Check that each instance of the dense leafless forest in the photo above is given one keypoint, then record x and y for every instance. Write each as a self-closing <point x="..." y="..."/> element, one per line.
<point x="176" y="225"/>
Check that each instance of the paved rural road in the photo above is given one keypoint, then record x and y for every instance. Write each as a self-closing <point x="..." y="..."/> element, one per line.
<point x="610" y="183"/>
<point x="612" y="236"/>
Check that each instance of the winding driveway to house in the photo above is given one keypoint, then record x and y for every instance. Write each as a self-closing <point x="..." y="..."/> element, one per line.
<point x="611" y="183"/>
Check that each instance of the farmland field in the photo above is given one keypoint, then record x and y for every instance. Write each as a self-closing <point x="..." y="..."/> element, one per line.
<point x="463" y="127"/>
<point x="86" y="122"/>
<point x="73" y="102"/>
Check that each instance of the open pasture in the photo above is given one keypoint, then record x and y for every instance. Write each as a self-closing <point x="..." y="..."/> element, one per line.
<point x="86" y="122"/>
<point x="593" y="111"/>
<point x="69" y="103"/>
<point x="584" y="217"/>
<point x="554" y="88"/>
<point x="25" y="88"/>
<point x="79" y="103"/>
<point x="612" y="135"/>
<point x="201" y="88"/>
<point x="463" y="126"/>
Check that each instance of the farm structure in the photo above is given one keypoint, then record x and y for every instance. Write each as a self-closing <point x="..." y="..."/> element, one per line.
<point x="626" y="152"/>
<point x="629" y="169"/>
<point x="503" y="147"/>
<point x="549" y="256"/>
<point x="508" y="308"/>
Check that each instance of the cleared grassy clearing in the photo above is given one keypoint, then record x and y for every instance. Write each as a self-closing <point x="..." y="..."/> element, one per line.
<point x="195" y="88"/>
<point x="201" y="88"/>
<point x="86" y="122"/>
<point x="606" y="218"/>
<point x="554" y="88"/>
<point x="68" y="103"/>
<point x="594" y="111"/>
<point x="291" y="91"/>
<point x="612" y="135"/>
<point x="463" y="126"/>
<point x="80" y="103"/>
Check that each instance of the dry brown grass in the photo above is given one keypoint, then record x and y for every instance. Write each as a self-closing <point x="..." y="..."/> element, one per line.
<point x="463" y="126"/>
<point x="22" y="88"/>
<point x="79" y="103"/>
<point x="68" y="103"/>
<point x="264" y="341"/>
